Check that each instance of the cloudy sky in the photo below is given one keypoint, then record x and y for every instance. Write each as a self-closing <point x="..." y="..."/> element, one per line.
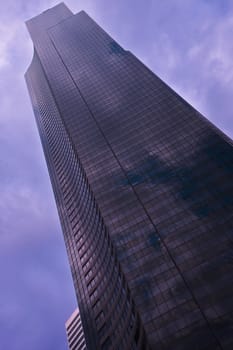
<point x="188" y="43"/>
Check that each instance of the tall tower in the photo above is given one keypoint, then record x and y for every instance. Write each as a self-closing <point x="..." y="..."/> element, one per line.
<point x="74" y="332"/>
<point x="144" y="190"/>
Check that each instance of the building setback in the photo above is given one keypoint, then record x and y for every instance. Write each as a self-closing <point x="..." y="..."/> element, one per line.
<point x="74" y="332"/>
<point x="144" y="190"/>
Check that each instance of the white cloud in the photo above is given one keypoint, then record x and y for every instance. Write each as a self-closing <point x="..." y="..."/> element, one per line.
<point x="215" y="51"/>
<point x="26" y="215"/>
<point x="220" y="56"/>
<point x="6" y="38"/>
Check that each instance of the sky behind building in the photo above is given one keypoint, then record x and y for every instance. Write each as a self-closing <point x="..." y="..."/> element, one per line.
<point x="185" y="42"/>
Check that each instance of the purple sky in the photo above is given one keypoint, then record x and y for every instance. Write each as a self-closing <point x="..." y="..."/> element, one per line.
<point x="188" y="43"/>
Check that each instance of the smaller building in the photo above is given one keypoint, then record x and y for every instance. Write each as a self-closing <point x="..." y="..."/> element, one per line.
<point x="74" y="332"/>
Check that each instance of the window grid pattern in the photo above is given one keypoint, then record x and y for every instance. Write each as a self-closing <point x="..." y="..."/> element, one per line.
<point x="162" y="177"/>
<point x="88" y="244"/>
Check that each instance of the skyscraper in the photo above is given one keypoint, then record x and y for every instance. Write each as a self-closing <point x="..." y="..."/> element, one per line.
<point x="144" y="190"/>
<point x="74" y="332"/>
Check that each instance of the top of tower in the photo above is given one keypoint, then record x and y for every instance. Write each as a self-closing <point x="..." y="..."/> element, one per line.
<point x="52" y="16"/>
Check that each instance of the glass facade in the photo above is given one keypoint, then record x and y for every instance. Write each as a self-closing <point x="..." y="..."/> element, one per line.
<point x="144" y="190"/>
